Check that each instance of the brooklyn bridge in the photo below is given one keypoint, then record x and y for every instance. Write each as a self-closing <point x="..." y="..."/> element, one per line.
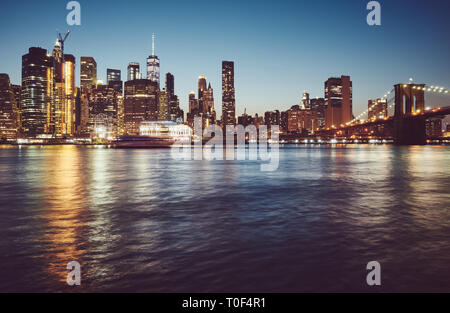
<point x="407" y="125"/>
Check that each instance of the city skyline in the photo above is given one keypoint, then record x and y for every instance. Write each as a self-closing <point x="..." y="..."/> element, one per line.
<point x="371" y="57"/>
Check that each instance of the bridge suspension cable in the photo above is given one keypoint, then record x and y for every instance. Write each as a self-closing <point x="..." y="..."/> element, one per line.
<point x="384" y="98"/>
<point x="390" y="103"/>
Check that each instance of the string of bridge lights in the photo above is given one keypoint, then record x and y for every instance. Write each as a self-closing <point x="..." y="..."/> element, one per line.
<point x="435" y="89"/>
<point x="358" y="118"/>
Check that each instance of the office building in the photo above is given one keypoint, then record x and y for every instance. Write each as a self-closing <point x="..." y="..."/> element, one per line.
<point x="8" y="109"/>
<point x="153" y="65"/>
<point x="114" y="79"/>
<point x="377" y="109"/>
<point x="140" y="104"/>
<point x="338" y="100"/>
<point x="228" y="94"/>
<point x="37" y="92"/>
<point x="133" y="71"/>
<point x="88" y="72"/>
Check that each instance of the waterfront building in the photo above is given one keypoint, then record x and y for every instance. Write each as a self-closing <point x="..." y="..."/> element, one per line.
<point x="8" y="109"/>
<point x="318" y="104"/>
<point x="272" y="118"/>
<point x="103" y="112"/>
<point x="338" y="101"/>
<point x="37" y="92"/>
<point x="140" y="104"/>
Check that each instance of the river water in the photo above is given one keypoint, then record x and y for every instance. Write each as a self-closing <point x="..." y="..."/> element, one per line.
<point x="138" y="220"/>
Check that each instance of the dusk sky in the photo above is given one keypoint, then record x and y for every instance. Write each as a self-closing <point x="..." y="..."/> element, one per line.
<point x="280" y="48"/>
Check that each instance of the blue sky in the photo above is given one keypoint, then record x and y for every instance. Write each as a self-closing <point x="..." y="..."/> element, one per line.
<point x="280" y="48"/>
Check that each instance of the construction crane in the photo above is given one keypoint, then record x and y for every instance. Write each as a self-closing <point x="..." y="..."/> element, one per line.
<point x="61" y="40"/>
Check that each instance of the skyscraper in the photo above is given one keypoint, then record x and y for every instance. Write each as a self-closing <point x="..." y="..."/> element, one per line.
<point x="175" y="113"/>
<point x="55" y="123"/>
<point x="318" y="105"/>
<point x="140" y="104"/>
<point x="113" y="75"/>
<point x="338" y="99"/>
<point x="209" y="114"/>
<point x="37" y="91"/>
<point x="201" y="90"/>
<point x="17" y="90"/>
<point x="163" y="105"/>
<point x="208" y="100"/>
<point x="228" y="94"/>
<point x="305" y="101"/>
<point x="170" y="83"/>
<point x="114" y="79"/>
<point x="103" y="110"/>
<point x="8" y="109"/>
<point x="153" y="65"/>
<point x="193" y="109"/>
<point x="68" y="112"/>
<point x="133" y="71"/>
<point x="88" y="72"/>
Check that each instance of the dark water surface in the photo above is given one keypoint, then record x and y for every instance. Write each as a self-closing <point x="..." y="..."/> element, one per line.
<point x="137" y="220"/>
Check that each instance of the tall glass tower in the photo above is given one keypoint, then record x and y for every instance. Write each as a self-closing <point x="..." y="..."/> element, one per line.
<point x="133" y="71"/>
<point x="153" y="65"/>
<point x="37" y="91"/>
<point x="228" y="96"/>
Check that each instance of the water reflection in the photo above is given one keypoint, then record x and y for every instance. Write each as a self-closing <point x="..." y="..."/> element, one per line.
<point x="63" y="210"/>
<point x="137" y="220"/>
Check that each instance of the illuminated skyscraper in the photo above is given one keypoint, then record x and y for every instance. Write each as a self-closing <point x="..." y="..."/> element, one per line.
<point x="88" y="72"/>
<point x="8" y="109"/>
<point x="201" y="90"/>
<point x="338" y="99"/>
<point x="163" y="105"/>
<point x="112" y="75"/>
<point x="208" y="100"/>
<point x="68" y="111"/>
<point x="305" y="101"/>
<point x="140" y="104"/>
<point x="272" y="118"/>
<point x="37" y="92"/>
<point x="133" y="71"/>
<point x="103" y="111"/>
<point x="228" y="94"/>
<point x="318" y="105"/>
<point x="153" y="65"/>
<point x="114" y="79"/>
<point x="17" y="90"/>
<point x="193" y="109"/>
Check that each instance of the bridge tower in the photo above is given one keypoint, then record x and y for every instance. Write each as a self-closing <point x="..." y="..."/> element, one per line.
<point x="409" y="129"/>
<point x="409" y="99"/>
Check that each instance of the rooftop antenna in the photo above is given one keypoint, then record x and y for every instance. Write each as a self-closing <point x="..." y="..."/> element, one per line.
<point x="153" y="44"/>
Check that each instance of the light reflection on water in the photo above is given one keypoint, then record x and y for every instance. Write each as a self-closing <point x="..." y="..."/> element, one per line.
<point x="138" y="220"/>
